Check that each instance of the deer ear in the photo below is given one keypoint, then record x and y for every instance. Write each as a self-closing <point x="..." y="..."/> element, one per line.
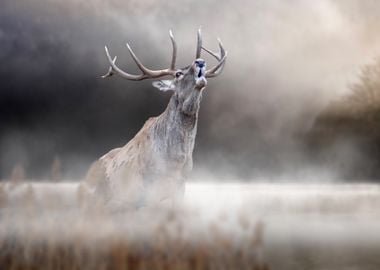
<point x="164" y="85"/>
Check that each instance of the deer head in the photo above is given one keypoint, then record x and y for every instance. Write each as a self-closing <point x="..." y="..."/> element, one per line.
<point x="187" y="83"/>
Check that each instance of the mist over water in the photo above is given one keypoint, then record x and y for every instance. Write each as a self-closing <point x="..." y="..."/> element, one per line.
<point x="285" y="226"/>
<point x="287" y="60"/>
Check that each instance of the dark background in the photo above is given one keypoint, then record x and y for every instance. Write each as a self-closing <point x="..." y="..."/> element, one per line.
<point x="287" y="61"/>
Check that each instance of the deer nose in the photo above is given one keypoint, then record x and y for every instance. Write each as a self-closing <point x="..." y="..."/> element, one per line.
<point x="200" y="63"/>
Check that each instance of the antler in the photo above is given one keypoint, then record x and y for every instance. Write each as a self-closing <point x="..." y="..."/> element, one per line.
<point x="146" y="73"/>
<point x="199" y="44"/>
<point x="221" y="57"/>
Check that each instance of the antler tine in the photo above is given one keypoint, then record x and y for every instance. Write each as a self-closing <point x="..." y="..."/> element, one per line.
<point x="147" y="73"/>
<point x="221" y="57"/>
<point x="215" y="71"/>
<point x="174" y="55"/>
<point x="150" y="73"/>
<point x="110" y="70"/>
<point x="221" y="48"/>
<point x="199" y="44"/>
<point x="216" y="55"/>
<point x="116" y="69"/>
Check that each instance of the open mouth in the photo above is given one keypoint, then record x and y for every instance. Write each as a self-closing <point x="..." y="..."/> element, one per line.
<point x="200" y="73"/>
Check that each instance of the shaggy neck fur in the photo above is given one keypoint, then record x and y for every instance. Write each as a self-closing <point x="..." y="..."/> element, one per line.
<point x="176" y="128"/>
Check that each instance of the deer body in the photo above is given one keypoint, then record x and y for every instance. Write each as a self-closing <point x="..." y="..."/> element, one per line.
<point x="152" y="167"/>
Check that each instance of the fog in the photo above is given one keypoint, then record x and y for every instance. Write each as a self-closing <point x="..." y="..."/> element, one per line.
<point x="287" y="60"/>
<point x="283" y="226"/>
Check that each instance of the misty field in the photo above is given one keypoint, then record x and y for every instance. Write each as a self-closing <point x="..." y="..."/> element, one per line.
<point x="219" y="226"/>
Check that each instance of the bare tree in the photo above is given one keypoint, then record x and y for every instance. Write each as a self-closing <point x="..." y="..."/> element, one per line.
<point x="364" y="98"/>
<point x="153" y="166"/>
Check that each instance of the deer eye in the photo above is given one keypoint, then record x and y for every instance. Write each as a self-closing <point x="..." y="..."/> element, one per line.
<point x="178" y="74"/>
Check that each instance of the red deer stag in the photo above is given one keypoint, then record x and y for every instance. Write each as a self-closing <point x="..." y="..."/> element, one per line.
<point x="153" y="166"/>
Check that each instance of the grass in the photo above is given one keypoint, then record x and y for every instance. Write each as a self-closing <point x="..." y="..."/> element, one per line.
<point x="53" y="237"/>
<point x="257" y="226"/>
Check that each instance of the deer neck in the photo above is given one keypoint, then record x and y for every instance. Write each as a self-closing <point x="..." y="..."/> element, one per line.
<point x="182" y="113"/>
<point x="176" y="128"/>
